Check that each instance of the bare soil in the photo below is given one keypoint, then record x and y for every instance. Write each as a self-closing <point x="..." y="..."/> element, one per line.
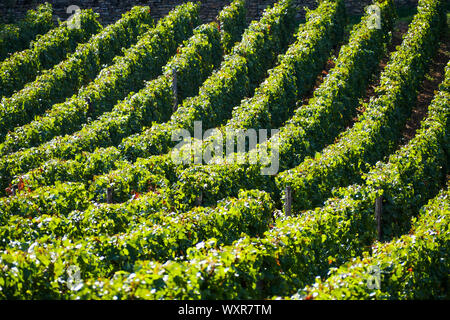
<point x="427" y="89"/>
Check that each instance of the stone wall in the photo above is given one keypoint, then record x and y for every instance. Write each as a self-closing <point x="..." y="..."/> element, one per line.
<point x="111" y="10"/>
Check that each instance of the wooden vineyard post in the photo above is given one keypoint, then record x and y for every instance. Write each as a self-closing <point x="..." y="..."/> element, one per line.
<point x="14" y="190"/>
<point x="378" y="213"/>
<point x="109" y="197"/>
<point x="199" y="199"/>
<point x="288" y="201"/>
<point x="175" y="89"/>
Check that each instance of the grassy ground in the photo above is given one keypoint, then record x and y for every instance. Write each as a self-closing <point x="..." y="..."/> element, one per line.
<point x="405" y="16"/>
